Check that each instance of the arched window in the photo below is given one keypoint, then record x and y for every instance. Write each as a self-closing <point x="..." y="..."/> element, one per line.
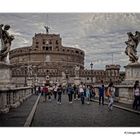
<point x="57" y="42"/>
<point x="77" y="52"/>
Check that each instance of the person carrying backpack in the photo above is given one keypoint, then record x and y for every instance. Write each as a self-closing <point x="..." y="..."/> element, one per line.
<point x="111" y="94"/>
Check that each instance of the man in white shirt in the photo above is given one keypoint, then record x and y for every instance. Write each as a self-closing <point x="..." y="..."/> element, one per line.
<point x="81" y="92"/>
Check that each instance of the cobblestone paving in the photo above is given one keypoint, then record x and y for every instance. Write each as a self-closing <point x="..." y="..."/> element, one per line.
<point x="51" y="114"/>
<point x="18" y="116"/>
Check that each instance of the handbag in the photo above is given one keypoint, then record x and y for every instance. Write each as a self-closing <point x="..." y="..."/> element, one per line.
<point x="107" y="93"/>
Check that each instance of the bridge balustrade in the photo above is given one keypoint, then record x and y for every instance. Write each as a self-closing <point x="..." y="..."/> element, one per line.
<point x="12" y="98"/>
<point x="123" y="93"/>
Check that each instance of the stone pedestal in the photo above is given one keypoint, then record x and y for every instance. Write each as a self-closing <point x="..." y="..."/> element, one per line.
<point x="77" y="81"/>
<point x="5" y="75"/>
<point x="132" y="72"/>
<point x="5" y="84"/>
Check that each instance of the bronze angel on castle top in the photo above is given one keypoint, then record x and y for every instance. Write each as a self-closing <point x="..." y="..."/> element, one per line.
<point x="6" y="41"/>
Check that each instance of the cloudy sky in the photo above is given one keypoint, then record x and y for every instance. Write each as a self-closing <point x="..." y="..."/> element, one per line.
<point x="100" y="35"/>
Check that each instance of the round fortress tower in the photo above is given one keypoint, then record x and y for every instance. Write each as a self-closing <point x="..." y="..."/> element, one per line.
<point x="48" y="55"/>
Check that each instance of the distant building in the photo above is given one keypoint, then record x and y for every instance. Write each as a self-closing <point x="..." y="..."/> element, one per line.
<point x="48" y="57"/>
<point x="111" y="73"/>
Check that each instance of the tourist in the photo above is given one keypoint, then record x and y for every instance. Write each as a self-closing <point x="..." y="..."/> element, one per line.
<point x="55" y="91"/>
<point x="92" y="88"/>
<point x="78" y="92"/>
<point x="36" y="90"/>
<point x="39" y="90"/>
<point x="50" y="90"/>
<point x="136" y="92"/>
<point x="84" y="87"/>
<point x="70" y="92"/>
<point x="81" y="92"/>
<point x="75" y="91"/>
<point x="88" y="94"/>
<point x="111" y="91"/>
<point x="59" y="91"/>
<point x="45" y="92"/>
<point x="101" y="93"/>
<point x="64" y="89"/>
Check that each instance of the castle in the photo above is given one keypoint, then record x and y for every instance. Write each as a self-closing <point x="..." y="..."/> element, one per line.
<point x="48" y="58"/>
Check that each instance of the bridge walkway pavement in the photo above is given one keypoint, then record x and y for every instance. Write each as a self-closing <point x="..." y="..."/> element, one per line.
<point x="17" y="117"/>
<point x="51" y="114"/>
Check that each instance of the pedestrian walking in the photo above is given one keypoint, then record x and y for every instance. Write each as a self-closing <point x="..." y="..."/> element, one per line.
<point x="81" y="92"/>
<point x="136" y="92"/>
<point x="78" y="92"/>
<point x="75" y="91"/>
<point x="41" y="89"/>
<point x="36" y="90"/>
<point x="60" y="90"/>
<point x="70" y="92"/>
<point x="55" y="91"/>
<point x="88" y="94"/>
<point x="92" y="88"/>
<point x="50" y="90"/>
<point x="101" y="93"/>
<point x="84" y="87"/>
<point x="64" y="89"/>
<point x="45" y="92"/>
<point x="111" y="94"/>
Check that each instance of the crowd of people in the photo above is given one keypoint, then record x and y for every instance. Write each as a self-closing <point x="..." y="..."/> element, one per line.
<point x="85" y="93"/>
<point x="81" y="92"/>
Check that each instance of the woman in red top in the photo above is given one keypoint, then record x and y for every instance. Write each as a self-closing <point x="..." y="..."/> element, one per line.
<point x="45" y="92"/>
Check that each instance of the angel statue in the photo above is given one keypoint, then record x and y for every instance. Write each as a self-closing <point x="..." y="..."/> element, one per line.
<point x="63" y="75"/>
<point x="6" y="41"/>
<point x="77" y="68"/>
<point x="132" y="43"/>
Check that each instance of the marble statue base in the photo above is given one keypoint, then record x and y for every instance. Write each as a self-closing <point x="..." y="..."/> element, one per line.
<point x="132" y="73"/>
<point x="64" y="82"/>
<point x="5" y="75"/>
<point x="77" y="81"/>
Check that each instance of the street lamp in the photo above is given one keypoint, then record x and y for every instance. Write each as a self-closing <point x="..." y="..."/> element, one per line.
<point x="91" y="66"/>
<point x="26" y="72"/>
<point x="67" y="76"/>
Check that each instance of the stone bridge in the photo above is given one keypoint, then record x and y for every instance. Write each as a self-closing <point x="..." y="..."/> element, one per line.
<point x="34" y="112"/>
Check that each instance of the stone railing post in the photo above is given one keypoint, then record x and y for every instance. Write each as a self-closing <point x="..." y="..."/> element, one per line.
<point x="3" y="102"/>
